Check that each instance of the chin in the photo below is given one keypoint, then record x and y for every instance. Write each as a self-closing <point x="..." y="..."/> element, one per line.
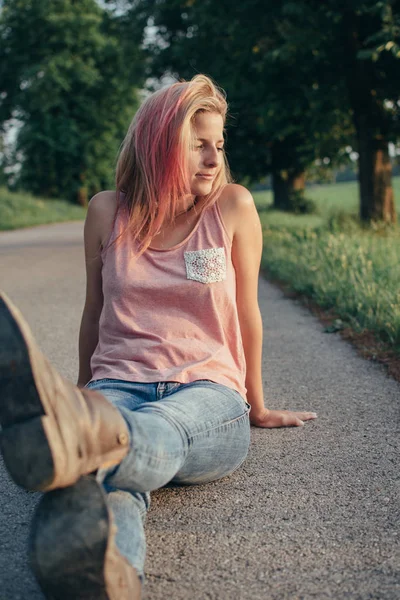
<point x="202" y="189"/>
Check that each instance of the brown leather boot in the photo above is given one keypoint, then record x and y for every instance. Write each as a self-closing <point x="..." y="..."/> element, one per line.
<point x="52" y="431"/>
<point x="72" y="547"/>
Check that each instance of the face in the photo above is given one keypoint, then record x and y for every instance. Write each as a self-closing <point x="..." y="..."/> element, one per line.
<point x="206" y="157"/>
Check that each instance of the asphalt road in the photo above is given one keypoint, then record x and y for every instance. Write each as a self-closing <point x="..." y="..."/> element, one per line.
<point x="312" y="513"/>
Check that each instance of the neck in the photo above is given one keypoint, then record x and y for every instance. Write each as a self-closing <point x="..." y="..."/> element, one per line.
<point x="190" y="207"/>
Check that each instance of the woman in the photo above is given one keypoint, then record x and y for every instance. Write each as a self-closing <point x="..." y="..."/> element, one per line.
<point x="170" y="352"/>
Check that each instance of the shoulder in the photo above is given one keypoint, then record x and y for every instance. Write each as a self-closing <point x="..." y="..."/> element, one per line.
<point x="245" y="227"/>
<point x="236" y="205"/>
<point x="235" y="194"/>
<point x="100" y="215"/>
<point x="103" y="203"/>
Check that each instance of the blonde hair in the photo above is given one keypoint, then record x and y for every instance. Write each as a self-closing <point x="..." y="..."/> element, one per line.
<point x="152" y="168"/>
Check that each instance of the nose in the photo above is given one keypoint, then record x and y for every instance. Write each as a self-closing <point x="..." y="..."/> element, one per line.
<point x="212" y="157"/>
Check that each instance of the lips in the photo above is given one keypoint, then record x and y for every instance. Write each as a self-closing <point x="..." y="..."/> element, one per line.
<point x="205" y="175"/>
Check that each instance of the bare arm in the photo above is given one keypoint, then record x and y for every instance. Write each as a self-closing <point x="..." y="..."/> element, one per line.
<point x="97" y="225"/>
<point x="246" y="256"/>
<point x="88" y="338"/>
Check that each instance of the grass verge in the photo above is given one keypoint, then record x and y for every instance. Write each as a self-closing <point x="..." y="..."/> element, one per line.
<point x="24" y="210"/>
<point x="348" y="274"/>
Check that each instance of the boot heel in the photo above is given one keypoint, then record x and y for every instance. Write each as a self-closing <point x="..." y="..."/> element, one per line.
<point x="68" y="542"/>
<point x="27" y="454"/>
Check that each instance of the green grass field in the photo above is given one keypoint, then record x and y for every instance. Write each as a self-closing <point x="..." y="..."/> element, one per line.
<point x="328" y="198"/>
<point x="24" y="210"/>
<point x="337" y="263"/>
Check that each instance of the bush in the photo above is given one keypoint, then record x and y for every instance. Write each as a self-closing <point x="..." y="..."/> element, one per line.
<point x="299" y="204"/>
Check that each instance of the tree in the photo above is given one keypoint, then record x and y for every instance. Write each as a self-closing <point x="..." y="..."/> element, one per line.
<point x="372" y="38"/>
<point x="282" y="119"/>
<point x="69" y="71"/>
<point x="302" y="76"/>
<point x="358" y="42"/>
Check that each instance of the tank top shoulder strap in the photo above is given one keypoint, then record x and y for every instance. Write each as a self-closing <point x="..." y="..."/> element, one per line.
<point x="214" y="221"/>
<point x="119" y="224"/>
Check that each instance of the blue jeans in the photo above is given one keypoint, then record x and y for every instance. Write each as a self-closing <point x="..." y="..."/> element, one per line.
<point x="181" y="433"/>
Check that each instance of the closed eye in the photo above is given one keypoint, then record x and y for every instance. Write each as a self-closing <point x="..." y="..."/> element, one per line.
<point x="202" y="146"/>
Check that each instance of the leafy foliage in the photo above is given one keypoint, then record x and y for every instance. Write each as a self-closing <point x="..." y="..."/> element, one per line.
<point x="283" y="113"/>
<point x="69" y="72"/>
<point x="304" y="78"/>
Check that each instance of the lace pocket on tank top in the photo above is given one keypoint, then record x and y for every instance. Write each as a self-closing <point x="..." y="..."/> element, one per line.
<point x="206" y="266"/>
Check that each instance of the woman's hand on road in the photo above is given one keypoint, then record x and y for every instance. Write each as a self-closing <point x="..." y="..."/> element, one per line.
<point x="281" y="418"/>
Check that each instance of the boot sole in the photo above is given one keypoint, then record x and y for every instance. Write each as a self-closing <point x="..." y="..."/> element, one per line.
<point x="68" y="542"/>
<point x="23" y="441"/>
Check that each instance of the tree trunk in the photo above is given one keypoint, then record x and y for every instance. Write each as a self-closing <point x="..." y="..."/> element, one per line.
<point x="286" y="186"/>
<point x="82" y="192"/>
<point x="82" y="196"/>
<point x="375" y="177"/>
<point x="375" y="169"/>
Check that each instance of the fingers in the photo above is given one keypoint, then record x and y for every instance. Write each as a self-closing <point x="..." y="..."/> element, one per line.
<point x="291" y="419"/>
<point x="284" y="418"/>
<point x="306" y="416"/>
<point x="300" y="417"/>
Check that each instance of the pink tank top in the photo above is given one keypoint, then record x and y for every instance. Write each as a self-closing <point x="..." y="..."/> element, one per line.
<point x="171" y="315"/>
